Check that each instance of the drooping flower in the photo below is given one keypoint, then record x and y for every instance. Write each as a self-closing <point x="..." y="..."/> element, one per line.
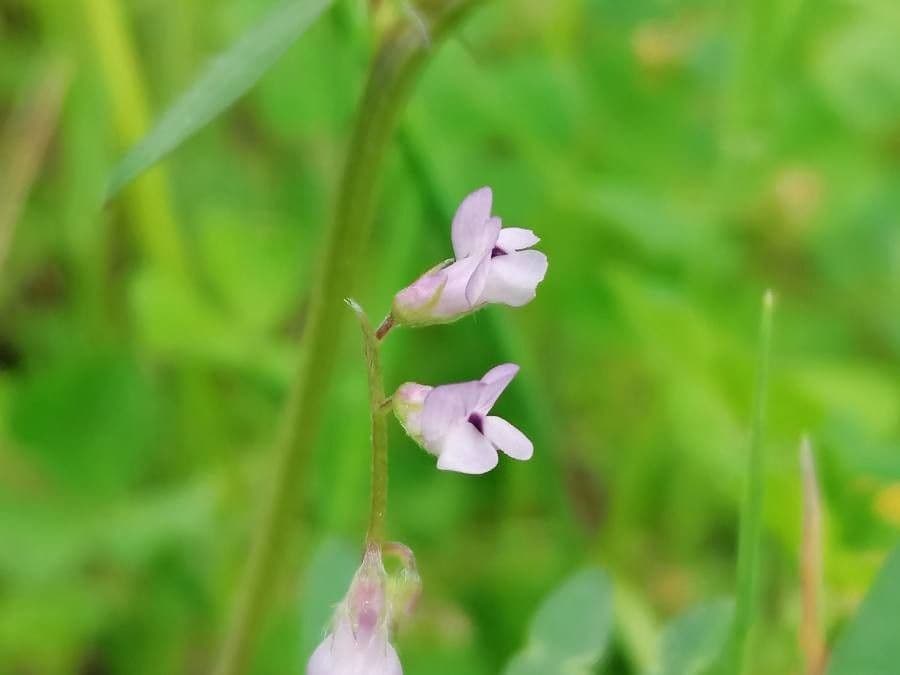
<point x="451" y="421"/>
<point x="359" y="641"/>
<point x="492" y="264"/>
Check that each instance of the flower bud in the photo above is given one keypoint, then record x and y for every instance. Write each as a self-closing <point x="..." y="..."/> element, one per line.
<point x="358" y="643"/>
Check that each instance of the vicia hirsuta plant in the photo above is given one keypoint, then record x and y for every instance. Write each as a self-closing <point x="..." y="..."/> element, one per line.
<point x="451" y="421"/>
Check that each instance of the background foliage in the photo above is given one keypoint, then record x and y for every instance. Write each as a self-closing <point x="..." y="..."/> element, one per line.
<point x="676" y="157"/>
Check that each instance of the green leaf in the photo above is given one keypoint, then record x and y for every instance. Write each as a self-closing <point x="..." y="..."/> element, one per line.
<point x="870" y="645"/>
<point x="571" y="630"/>
<point x="693" y="639"/>
<point x="90" y="420"/>
<point x="226" y="79"/>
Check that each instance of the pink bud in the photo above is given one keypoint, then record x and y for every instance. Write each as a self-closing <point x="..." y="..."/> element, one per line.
<point x="358" y="643"/>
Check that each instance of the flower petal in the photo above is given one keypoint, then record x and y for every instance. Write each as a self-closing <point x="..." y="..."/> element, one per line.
<point x="477" y="281"/>
<point x="341" y="654"/>
<point x="469" y="221"/>
<point x="322" y="660"/>
<point x="418" y="299"/>
<point x="445" y="406"/>
<point x="516" y="238"/>
<point x="452" y="302"/>
<point x="495" y="381"/>
<point x="391" y="664"/>
<point x="507" y="438"/>
<point x="513" y="279"/>
<point x="466" y="450"/>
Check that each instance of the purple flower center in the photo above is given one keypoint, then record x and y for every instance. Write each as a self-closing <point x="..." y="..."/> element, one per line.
<point x="497" y="251"/>
<point x="477" y="421"/>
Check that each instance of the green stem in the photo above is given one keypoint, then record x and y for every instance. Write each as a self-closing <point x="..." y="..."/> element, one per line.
<point x="750" y="533"/>
<point x="375" y="534"/>
<point x="394" y="70"/>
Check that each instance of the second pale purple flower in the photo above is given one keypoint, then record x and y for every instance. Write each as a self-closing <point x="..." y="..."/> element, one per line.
<point x="452" y="422"/>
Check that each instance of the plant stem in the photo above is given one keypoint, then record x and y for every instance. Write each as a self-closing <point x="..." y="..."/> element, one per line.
<point x="398" y="62"/>
<point x="385" y="327"/>
<point x="736" y="651"/>
<point x="375" y="533"/>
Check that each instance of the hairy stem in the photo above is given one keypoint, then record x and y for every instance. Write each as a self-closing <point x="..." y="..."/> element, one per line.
<point x="396" y="65"/>
<point x="375" y="533"/>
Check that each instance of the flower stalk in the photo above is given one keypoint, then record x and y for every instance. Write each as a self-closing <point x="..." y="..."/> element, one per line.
<point x="399" y="60"/>
<point x="378" y="511"/>
<point x="385" y="327"/>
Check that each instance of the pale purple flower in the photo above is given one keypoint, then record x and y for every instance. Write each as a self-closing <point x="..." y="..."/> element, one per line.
<point x="452" y="422"/>
<point x="358" y="642"/>
<point x="492" y="264"/>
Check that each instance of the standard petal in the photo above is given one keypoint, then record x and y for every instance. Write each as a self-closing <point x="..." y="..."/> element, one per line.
<point x="495" y="381"/>
<point x="507" y="438"/>
<point x="516" y="238"/>
<point x="513" y="279"/>
<point x="465" y="450"/>
<point x="445" y="406"/>
<point x="469" y="221"/>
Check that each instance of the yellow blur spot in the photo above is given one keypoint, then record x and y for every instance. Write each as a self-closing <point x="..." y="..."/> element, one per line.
<point x="887" y="504"/>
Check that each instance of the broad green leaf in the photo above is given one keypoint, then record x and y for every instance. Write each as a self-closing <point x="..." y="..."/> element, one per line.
<point x="226" y="79"/>
<point x="89" y="420"/>
<point x="870" y="645"/>
<point x="571" y="630"/>
<point x="177" y="322"/>
<point x="693" y="639"/>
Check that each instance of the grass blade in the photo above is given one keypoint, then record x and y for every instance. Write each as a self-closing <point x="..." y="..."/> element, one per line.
<point x="227" y="78"/>
<point x="750" y="535"/>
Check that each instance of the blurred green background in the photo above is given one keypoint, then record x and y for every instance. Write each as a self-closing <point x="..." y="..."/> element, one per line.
<point x="677" y="157"/>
